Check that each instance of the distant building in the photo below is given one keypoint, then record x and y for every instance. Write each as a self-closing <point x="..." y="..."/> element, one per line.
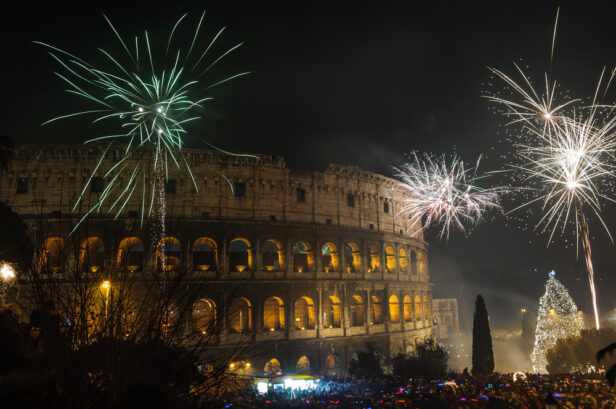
<point x="446" y="316"/>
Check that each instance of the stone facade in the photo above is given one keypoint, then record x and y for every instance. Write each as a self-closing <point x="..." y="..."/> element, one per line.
<point x="321" y="262"/>
<point x="445" y="312"/>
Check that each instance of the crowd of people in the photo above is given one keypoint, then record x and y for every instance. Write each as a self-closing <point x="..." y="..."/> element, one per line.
<point x="459" y="392"/>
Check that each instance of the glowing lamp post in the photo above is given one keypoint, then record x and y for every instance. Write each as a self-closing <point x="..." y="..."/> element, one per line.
<point x="106" y="286"/>
<point x="7" y="278"/>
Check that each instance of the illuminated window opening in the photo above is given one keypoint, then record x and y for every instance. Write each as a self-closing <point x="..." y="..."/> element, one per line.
<point x="329" y="257"/>
<point x="304" y="313"/>
<point x="273" y="314"/>
<point x="205" y="254"/>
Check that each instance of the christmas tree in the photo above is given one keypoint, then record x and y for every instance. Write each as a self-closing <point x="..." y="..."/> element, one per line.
<point x="557" y="318"/>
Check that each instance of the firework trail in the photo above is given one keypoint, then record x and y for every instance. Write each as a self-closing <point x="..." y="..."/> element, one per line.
<point x="442" y="193"/>
<point x="566" y="151"/>
<point x="151" y="99"/>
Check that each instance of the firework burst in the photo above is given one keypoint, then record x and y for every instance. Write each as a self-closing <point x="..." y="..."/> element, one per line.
<point x="566" y="153"/>
<point x="444" y="193"/>
<point x="151" y="99"/>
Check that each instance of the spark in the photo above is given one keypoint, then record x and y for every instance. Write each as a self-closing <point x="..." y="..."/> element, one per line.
<point x="438" y="192"/>
<point x="567" y="155"/>
<point x="151" y="99"/>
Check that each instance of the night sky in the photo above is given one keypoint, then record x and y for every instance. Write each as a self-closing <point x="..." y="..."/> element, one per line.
<point x="355" y="84"/>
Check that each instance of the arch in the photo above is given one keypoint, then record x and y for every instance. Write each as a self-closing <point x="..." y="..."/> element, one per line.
<point x="240" y="254"/>
<point x="272" y="254"/>
<point x="403" y="261"/>
<point x="302" y="367"/>
<point x="170" y="319"/>
<point x="240" y="316"/>
<point x="426" y="307"/>
<point x="329" y="257"/>
<point x="53" y="255"/>
<point x="304" y="313"/>
<point x="357" y="311"/>
<point x="394" y="309"/>
<point x="390" y="258"/>
<point x="205" y="254"/>
<point x="130" y="254"/>
<point x="376" y="309"/>
<point x="407" y="308"/>
<point x="418" y="308"/>
<point x="333" y="365"/>
<point x="414" y="263"/>
<point x="332" y="309"/>
<point x="273" y="314"/>
<point x="302" y="256"/>
<point x="272" y="367"/>
<point x="421" y="262"/>
<point x="375" y="259"/>
<point x="168" y="254"/>
<point x="352" y="257"/>
<point x="91" y="254"/>
<point x="204" y="315"/>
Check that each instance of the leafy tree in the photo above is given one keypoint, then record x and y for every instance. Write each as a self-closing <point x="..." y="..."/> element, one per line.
<point x="428" y="361"/>
<point x="483" y="356"/>
<point x="368" y="364"/>
<point x="577" y="353"/>
<point x="15" y="244"/>
<point x="610" y="374"/>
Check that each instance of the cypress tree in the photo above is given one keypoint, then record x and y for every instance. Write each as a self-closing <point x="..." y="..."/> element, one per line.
<point x="483" y="357"/>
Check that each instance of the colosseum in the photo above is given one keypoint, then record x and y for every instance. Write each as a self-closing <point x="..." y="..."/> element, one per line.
<point x="316" y="265"/>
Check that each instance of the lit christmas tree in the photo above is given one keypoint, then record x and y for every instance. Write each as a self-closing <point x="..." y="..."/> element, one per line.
<point x="557" y="318"/>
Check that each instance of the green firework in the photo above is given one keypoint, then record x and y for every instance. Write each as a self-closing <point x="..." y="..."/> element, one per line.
<point x="150" y="100"/>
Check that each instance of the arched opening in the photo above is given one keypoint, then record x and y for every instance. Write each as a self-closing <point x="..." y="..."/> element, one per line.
<point x="403" y="261"/>
<point x="272" y="255"/>
<point x="333" y="365"/>
<point x="272" y="367"/>
<point x="128" y="317"/>
<point x="53" y="257"/>
<point x="421" y="262"/>
<point x="408" y="308"/>
<point x="376" y="309"/>
<point x="240" y="255"/>
<point x="304" y="313"/>
<point x="331" y="312"/>
<point x="375" y="259"/>
<point x="130" y="254"/>
<point x="418" y="308"/>
<point x="357" y="311"/>
<point x="169" y="319"/>
<point x="414" y="264"/>
<point x="204" y="316"/>
<point x="240" y="316"/>
<point x="426" y="307"/>
<point x="91" y="254"/>
<point x="352" y="257"/>
<point x="394" y="309"/>
<point x="273" y="314"/>
<point x="390" y="257"/>
<point x="329" y="257"/>
<point x="168" y="253"/>
<point x="302" y="257"/>
<point x="303" y="366"/>
<point x="205" y="254"/>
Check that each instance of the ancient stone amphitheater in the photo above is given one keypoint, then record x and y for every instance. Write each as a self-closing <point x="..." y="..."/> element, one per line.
<point x="314" y="264"/>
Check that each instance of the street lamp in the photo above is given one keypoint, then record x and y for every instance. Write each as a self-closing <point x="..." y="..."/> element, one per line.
<point x="106" y="286"/>
<point x="7" y="278"/>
